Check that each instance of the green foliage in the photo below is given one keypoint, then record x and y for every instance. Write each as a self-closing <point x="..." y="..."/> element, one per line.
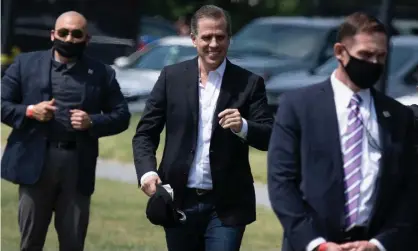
<point x="241" y="12"/>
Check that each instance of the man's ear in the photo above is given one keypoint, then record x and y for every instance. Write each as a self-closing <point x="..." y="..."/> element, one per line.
<point x="193" y="37"/>
<point x="52" y="35"/>
<point x="339" y="51"/>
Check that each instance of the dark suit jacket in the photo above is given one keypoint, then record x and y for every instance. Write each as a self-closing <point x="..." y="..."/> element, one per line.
<point x="174" y="103"/>
<point x="415" y="110"/>
<point x="26" y="82"/>
<point x="305" y="170"/>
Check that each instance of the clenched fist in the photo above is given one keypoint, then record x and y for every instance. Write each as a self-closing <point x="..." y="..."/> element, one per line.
<point x="80" y="120"/>
<point x="150" y="185"/>
<point x="231" y="118"/>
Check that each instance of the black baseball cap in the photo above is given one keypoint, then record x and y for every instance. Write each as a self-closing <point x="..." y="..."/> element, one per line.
<point x="161" y="211"/>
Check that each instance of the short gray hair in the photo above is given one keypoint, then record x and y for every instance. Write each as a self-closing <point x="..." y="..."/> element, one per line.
<point x="210" y="11"/>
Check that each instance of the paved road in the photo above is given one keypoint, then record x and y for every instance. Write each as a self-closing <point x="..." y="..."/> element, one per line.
<point x="124" y="172"/>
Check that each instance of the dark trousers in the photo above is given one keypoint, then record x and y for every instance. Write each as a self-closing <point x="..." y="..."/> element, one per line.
<point x="56" y="191"/>
<point x="203" y="230"/>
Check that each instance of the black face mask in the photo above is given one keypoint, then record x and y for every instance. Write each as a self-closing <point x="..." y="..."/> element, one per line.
<point x="362" y="73"/>
<point x="68" y="49"/>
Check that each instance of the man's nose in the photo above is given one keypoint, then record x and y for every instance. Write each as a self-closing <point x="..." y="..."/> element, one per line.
<point x="69" y="38"/>
<point x="213" y="42"/>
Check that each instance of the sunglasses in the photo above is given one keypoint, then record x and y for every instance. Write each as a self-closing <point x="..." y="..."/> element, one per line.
<point x="74" y="33"/>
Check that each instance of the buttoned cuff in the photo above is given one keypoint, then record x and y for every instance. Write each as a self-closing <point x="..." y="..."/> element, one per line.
<point x="146" y="175"/>
<point x="244" y="130"/>
<point x="315" y="243"/>
<point x="378" y="244"/>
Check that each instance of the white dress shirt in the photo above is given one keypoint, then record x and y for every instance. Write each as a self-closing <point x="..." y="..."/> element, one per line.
<point x="200" y="171"/>
<point x="371" y="150"/>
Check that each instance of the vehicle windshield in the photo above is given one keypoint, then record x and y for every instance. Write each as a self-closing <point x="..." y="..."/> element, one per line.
<point x="159" y="56"/>
<point x="278" y="40"/>
<point x="399" y="56"/>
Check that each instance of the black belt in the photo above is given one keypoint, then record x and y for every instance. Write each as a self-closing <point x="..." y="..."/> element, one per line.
<point x="67" y="145"/>
<point x="199" y="191"/>
<point x="355" y="234"/>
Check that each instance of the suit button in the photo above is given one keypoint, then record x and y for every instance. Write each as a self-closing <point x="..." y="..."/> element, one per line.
<point x="211" y="151"/>
<point x="192" y="151"/>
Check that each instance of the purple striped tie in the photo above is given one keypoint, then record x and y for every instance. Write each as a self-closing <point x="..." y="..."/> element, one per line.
<point x="352" y="161"/>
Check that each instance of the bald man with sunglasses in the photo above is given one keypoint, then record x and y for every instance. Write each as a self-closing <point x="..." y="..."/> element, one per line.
<point x="59" y="102"/>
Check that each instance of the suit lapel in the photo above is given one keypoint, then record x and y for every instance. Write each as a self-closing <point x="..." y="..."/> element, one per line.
<point x="327" y="114"/>
<point x="224" y="94"/>
<point x="84" y="68"/>
<point x="191" y="74"/>
<point x="192" y="81"/>
<point x="385" y="122"/>
<point x="325" y="145"/>
<point x="323" y="115"/>
<point x="44" y="73"/>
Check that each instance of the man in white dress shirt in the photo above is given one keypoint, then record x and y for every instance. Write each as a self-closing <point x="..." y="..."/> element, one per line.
<point x="342" y="171"/>
<point x="213" y="111"/>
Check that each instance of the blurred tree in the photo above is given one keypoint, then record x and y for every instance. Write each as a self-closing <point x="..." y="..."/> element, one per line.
<point x="243" y="11"/>
<point x="406" y="9"/>
<point x="170" y="9"/>
<point x="287" y="7"/>
<point x="178" y="9"/>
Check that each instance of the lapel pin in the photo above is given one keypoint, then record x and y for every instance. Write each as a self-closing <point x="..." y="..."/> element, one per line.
<point x="386" y="114"/>
<point x="90" y="71"/>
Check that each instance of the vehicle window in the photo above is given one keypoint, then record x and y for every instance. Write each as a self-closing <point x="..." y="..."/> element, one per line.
<point x="160" y="56"/>
<point x="399" y="56"/>
<point x="279" y="40"/>
<point x="328" y="50"/>
<point x="328" y="67"/>
<point x="412" y="77"/>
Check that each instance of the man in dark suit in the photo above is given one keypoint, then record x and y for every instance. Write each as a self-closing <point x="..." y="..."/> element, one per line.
<point x="213" y="111"/>
<point x="342" y="172"/>
<point x="415" y="110"/>
<point x="58" y="102"/>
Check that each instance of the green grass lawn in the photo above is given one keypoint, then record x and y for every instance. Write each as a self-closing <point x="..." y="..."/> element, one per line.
<point x="119" y="147"/>
<point x="118" y="222"/>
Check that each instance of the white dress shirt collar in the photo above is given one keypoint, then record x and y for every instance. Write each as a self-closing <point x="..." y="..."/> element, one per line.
<point x="220" y="70"/>
<point x="343" y="93"/>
